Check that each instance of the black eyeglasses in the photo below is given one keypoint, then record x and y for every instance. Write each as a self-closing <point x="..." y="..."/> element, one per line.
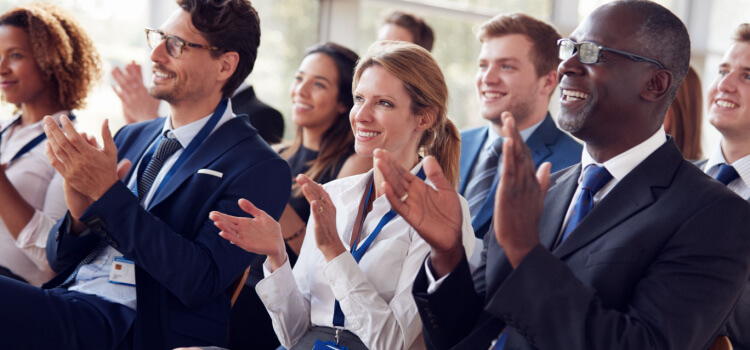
<point x="175" y="45"/>
<point x="589" y="52"/>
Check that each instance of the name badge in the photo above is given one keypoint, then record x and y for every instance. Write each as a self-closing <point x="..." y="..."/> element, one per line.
<point x="327" y="345"/>
<point x="122" y="272"/>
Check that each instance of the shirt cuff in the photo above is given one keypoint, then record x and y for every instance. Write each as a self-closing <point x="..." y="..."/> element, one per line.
<point x="343" y="275"/>
<point x="432" y="285"/>
<point x="277" y="286"/>
<point x="31" y="235"/>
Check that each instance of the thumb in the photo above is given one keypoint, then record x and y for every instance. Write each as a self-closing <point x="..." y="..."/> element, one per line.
<point x="122" y="168"/>
<point x="108" y="142"/>
<point x="435" y="173"/>
<point x="542" y="175"/>
<point x="251" y="209"/>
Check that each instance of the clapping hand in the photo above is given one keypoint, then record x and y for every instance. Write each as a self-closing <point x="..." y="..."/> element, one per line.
<point x="434" y="213"/>
<point x="260" y="234"/>
<point x="324" y="212"/>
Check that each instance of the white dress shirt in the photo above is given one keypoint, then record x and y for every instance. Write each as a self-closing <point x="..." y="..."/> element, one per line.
<point x="375" y="295"/>
<point x="741" y="185"/>
<point x="93" y="278"/>
<point x="39" y="185"/>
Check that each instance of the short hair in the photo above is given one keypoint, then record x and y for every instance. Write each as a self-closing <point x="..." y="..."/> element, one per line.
<point x="663" y="37"/>
<point x="543" y="36"/>
<point x="232" y="26"/>
<point x="66" y="55"/>
<point x="420" y="31"/>
<point x="425" y="85"/>
<point x="742" y="33"/>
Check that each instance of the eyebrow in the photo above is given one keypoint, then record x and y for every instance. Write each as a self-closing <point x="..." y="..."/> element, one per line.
<point x="727" y="65"/>
<point x="316" y="76"/>
<point x="502" y="59"/>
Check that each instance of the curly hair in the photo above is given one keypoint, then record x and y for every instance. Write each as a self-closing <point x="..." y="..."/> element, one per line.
<point x="66" y="56"/>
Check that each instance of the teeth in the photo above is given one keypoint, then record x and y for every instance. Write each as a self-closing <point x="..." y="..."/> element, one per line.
<point x="570" y="95"/>
<point x="302" y="105"/>
<point x="493" y="95"/>
<point x="161" y="75"/>
<point x="367" y="134"/>
<point x="726" y="104"/>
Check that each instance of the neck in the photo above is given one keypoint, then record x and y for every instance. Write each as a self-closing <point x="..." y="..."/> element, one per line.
<point x="187" y="112"/>
<point x="311" y="138"/>
<point x="735" y="148"/>
<point x="522" y="123"/>
<point x="407" y="164"/>
<point x="34" y="112"/>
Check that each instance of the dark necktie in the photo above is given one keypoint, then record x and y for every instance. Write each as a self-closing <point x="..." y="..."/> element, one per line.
<point x="164" y="150"/>
<point x="480" y="184"/>
<point x="594" y="178"/>
<point x="726" y="174"/>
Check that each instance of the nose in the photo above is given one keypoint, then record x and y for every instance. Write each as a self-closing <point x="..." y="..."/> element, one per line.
<point x="4" y="66"/>
<point x="302" y="88"/>
<point x="361" y="113"/>
<point x="726" y="83"/>
<point x="490" y="75"/>
<point x="159" y="53"/>
<point x="570" y="66"/>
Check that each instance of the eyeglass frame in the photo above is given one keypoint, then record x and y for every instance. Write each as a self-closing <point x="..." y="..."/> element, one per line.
<point x="577" y="52"/>
<point x="183" y="43"/>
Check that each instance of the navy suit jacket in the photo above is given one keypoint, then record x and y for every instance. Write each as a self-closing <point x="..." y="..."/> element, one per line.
<point x="547" y="144"/>
<point x="183" y="267"/>
<point x="659" y="263"/>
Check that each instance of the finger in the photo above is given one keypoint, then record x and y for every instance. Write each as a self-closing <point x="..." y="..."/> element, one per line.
<point x="542" y="175"/>
<point x="395" y="200"/>
<point x="118" y="76"/>
<point x="135" y="71"/>
<point x="53" y="160"/>
<point x="251" y="209"/>
<point x="311" y="190"/>
<point x="122" y="168"/>
<point x="108" y="143"/>
<point x="509" y="163"/>
<point x="59" y="154"/>
<point x="434" y="172"/>
<point x="118" y="91"/>
<point x="56" y="137"/>
<point x="78" y="141"/>
<point x="393" y="173"/>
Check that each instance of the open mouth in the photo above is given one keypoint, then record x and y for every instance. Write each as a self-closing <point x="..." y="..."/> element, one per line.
<point x="366" y="133"/>
<point x="572" y="95"/>
<point x="726" y="104"/>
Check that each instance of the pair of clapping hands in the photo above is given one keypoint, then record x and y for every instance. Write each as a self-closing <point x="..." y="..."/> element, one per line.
<point x="434" y="213"/>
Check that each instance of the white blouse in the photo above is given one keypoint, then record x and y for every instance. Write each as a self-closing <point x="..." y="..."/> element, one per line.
<point x="375" y="295"/>
<point x="42" y="187"/>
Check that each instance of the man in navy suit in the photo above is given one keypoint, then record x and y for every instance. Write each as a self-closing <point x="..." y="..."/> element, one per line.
<point x="729" y="112"/>
<point x="634" y="248"/>
<point x="140" y="264"/>
<point x="517" y="73"/>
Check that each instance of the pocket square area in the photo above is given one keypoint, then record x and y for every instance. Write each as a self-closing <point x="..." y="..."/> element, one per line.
<point x="211" y="172"/>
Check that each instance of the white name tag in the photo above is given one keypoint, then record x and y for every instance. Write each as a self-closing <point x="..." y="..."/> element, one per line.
<point x="122" y="272"/>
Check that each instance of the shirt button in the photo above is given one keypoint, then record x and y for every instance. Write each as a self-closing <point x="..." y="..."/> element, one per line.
<point x="264" y="296"/>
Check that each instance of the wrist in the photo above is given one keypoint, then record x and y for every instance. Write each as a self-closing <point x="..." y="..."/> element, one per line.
<point x="444" y="261"/>
<point x="331" y="253"/>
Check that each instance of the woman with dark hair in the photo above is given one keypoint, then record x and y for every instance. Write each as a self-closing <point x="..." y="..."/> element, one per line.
<point x="47" y="67"/>
<point x="323" y="150"/>
<point x="351" y="286"/>
<point x="323" y="147"/>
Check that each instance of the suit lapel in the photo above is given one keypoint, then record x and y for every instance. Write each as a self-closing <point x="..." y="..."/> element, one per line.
<point x="471" y="144"/>
<point x="556" y="204"/>
<point x="229" y="134"/>
<point x="631" y="195"/>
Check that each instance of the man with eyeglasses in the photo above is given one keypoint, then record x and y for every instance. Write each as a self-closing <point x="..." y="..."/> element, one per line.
<point x="729" y="112"/>
<point x="140" y="265"/>
<point x="633" y="248"/>
<point x="517" y="74"/>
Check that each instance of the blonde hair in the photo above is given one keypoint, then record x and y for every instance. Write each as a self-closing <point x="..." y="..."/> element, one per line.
<point x="425" y="84"/>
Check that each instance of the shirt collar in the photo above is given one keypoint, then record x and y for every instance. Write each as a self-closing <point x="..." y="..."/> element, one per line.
<point x="186" y="133"/>
<point x="742" y="165"/>
<point x="364" y="181"/>
<point x="492" y="135"/>
<point x="622" y="164"/>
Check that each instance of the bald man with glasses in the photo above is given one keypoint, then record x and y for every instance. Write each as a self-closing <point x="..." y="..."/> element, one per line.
<point x="633" y="248"/>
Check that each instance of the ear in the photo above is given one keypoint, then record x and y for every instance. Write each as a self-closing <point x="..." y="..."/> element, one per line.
<point x="657" y="86"/>
<point x="426" y="118"/>
<point x="549" y="83"/>
<point x="228" y="62"/>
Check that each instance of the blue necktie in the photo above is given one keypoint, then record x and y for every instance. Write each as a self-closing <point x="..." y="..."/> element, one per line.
<point x="164" y="150"/>
<point x="594" y="178"/>
<point x="480" y="184"/>
<point x="726" y="174"/>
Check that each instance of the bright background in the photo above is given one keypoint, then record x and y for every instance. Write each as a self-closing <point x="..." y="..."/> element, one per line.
<point x="289" y="26"/>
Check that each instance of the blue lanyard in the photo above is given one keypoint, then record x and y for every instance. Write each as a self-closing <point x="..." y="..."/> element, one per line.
<point x="31" y="144"/>
<point x="358" y="253"/>
<point x="189" y="150"/>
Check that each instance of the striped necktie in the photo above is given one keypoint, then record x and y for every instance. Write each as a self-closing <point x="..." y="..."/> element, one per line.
<point x="166" y="148"/>
<point x="594" y="178"/>
<point x="480" y="184"/>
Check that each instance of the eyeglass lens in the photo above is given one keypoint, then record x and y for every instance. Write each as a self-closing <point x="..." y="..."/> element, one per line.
<point x="587" y="52"/>
<point x="174" y="45"/>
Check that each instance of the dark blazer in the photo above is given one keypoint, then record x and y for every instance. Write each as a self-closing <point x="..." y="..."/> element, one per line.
<point x="738" y="328"/>
<point x="264" y="118"/>
<point x="659" y="263"/>
<point x="183" y="267"/>
<point x="547" y="144"/>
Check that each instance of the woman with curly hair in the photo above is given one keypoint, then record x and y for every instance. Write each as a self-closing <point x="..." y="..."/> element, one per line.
<point x="47" y="67"/>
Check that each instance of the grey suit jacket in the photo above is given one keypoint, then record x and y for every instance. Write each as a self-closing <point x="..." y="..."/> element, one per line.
<point x="659" y="263"/>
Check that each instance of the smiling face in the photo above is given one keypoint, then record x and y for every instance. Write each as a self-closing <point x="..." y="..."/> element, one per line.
<point x="189" y="78"/>
<point x="507" y="79"/>
<point x="729" y="94"/>
<point x="599" y="102"/>
<point x="382" y="116"/>
<point x="21" y="79"/>
<point x="315" y="93"/>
